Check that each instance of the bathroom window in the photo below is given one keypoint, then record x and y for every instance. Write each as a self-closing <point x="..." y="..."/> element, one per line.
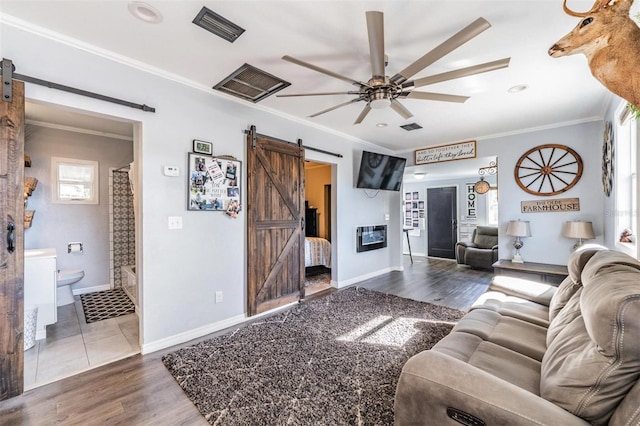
<point x="76" y="181"/>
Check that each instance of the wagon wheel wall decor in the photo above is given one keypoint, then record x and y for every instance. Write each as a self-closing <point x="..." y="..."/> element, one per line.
<point x="548" y="170"/>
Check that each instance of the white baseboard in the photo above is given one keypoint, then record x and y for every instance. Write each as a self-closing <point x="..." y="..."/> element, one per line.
<point x="345" y="283"/>
<point x="176" y="339"/>
<point x="414" y="254"/>
<point x="84" y="290"/>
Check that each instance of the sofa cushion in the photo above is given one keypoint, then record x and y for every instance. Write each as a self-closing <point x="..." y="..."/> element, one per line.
<point x="569" y="312"/>
<point x="577" y="260"/>
<point x="479" y="257"/>
<point x="595" y="359"/>
<point x="511" y="333"/>
<point x="514" y="307"/>
<point x="494" y="359"/>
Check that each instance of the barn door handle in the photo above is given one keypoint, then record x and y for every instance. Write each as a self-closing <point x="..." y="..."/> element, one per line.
<point x="302" y="223"/>
<point x="10" y="237"/>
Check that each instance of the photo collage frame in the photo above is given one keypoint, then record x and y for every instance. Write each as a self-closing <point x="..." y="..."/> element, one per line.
<point x="414" y="210"/>
<point x="214" y="184"/>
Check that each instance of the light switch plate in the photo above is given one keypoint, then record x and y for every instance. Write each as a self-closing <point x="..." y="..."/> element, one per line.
<point x="171" y="171"/>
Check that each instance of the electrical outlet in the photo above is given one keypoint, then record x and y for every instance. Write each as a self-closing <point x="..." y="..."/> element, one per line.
<point x="218" y="296"/>
<point x="175" y="222"/>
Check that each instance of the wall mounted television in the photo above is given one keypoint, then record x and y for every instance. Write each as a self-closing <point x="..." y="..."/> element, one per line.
<point x="380" y="171"/>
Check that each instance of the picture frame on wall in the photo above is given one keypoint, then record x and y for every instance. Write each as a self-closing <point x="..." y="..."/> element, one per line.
<point x="202" y="147"/>
<point x="214" y="184"/>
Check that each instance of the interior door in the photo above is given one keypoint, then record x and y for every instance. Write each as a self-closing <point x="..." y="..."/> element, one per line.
<point x="442" y="225"/>
<point x="12" y="242"/>
<point x="275" y="224"/>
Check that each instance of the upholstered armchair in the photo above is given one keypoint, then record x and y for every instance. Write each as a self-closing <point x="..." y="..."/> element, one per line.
<point x="482" y="251"/>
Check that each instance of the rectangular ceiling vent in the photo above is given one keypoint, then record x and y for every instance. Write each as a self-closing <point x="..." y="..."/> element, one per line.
<point x="411" y="126"/>
<point x="222" y="27"/>
<point x="251" y="84"/>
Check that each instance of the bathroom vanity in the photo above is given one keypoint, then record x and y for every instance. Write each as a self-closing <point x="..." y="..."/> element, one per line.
<point x="40" y="286"/>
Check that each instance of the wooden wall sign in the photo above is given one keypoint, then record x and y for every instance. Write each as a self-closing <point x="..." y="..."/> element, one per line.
<point x="441" y="153"/>
<point x="551" y="206"/>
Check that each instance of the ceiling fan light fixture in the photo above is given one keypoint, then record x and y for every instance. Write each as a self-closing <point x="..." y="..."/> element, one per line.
<point x="380" y="103"/>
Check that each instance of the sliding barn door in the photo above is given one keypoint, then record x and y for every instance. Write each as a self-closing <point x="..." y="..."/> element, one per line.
<point x="12" y="242"/>
<point x="275" y="224"/>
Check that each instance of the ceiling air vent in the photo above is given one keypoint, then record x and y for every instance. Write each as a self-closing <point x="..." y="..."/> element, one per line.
<point x="411" y="126"/>
<point x="212" y="22"/>
<point x="251" y="84"/>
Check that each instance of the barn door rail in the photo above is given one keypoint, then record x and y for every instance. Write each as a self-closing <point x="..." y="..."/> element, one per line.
<point x="7" y="71"/>
<point x="252" y="130"/>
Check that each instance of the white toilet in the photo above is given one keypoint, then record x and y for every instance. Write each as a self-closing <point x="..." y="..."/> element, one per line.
<point x="64" y="279"/>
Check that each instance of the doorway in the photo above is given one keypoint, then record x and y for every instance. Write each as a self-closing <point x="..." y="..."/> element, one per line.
<point x="318" y="189"/>
<point x="76" y="342"/>
<point x="442" y="225"/>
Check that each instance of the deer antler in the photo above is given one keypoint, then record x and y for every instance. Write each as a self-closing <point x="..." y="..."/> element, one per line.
<point x="599" y="4"/>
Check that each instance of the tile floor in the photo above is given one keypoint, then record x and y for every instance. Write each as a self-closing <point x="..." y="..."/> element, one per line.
<point x="73" y="346"/>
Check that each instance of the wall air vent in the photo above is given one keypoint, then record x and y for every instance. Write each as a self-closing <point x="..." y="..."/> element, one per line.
<point x="212" y="22"/>
<point x="251" y="84"/>
<point x="411" y="126"/>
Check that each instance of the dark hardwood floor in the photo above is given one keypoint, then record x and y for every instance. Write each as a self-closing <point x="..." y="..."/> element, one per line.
<point x="140" y="391"/>
<point x="439" y="281"/>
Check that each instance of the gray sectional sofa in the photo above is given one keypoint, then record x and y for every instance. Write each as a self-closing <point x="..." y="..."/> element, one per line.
<point x="533" y="354"/>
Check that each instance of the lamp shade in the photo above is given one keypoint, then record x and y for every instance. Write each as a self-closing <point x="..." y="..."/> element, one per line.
<point x="578" y="230"/>
<point x="519" y="228"/>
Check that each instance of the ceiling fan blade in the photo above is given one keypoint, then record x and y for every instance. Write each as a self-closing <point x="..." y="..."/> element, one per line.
<point x="375" y="29"/>
<point x="324" y="71"/>
<point x="400" y="109"/>
<point x="317" y="94"/>
<point x="462" y="72"/>
<point x="335" y="107"/>
<point x="429" y="96"/>
<point x="363" y="114"/>
<point x="457" y="40"/>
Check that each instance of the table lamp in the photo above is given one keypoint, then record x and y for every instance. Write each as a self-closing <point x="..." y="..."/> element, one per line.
<point x="518" y="229"/>
<point x="580" y="230"/>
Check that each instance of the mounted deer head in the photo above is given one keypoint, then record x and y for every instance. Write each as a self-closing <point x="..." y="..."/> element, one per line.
<point x="610" y="40"/>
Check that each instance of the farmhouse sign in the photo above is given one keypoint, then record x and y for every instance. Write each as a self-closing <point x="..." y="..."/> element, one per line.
<point x="550" y="206"/>
<point x="440" y="153"/>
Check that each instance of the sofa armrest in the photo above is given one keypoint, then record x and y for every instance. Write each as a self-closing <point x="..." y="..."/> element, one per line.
<point x="465" y="244"/>
<point x="461" y="248"/>
<point x="432" y="382"/>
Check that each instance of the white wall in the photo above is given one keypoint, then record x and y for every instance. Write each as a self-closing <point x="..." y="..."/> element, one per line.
<point x="547" y="245"/>
<point x="56" y="225"/>
<point x="180" y="270"/>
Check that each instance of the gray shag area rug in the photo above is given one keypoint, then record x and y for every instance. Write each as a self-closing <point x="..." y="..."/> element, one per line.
<point x="335" y="360"/>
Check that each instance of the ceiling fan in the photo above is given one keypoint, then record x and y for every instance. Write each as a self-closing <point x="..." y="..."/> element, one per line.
<point x="382" y="91"/>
